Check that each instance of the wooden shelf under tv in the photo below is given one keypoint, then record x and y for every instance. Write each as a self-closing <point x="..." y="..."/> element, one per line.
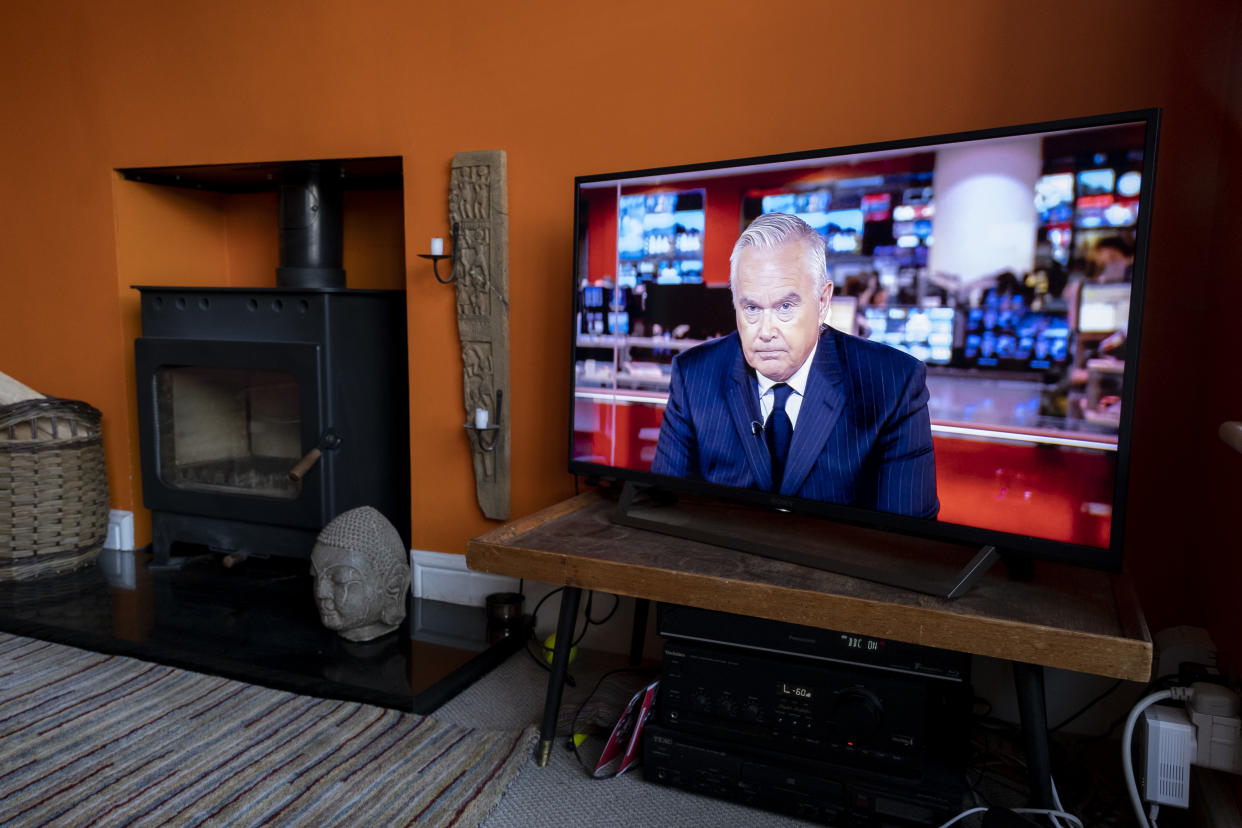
<point x="1060" y="616"/>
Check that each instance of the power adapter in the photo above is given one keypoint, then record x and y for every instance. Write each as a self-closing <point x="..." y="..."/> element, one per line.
<point x="1168" y="740"/>
<point x="1207" y="733"/>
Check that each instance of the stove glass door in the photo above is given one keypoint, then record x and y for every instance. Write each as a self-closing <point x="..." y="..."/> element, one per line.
<point x="228" y="430"/>
<point x="222" y="423"/>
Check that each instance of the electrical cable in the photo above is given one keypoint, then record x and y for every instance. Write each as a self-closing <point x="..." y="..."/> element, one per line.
<point x="616" y="602"/>
<point x="534" y="616"/>
<point x="989" y="758"/>
<point x="577" y="638"/>
<point x="1055" y="814"/>
<point x="964" y="814"/>
<point x="1048" y="812"/>
<point x="1056" y="801"/>
<point x="1159" y="683"/>
<point x="1088" y="706"/>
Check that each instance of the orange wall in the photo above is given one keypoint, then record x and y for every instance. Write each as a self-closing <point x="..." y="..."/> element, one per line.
<point x="574" y="88"/>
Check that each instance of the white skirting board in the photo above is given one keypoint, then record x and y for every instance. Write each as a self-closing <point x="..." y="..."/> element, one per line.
<point x="440" y="576"/>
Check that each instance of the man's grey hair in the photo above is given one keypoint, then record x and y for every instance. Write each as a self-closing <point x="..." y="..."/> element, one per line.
<point x="774" y="229"/>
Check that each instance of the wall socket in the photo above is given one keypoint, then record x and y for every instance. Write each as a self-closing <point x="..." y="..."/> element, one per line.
<point x="120" y="530"/>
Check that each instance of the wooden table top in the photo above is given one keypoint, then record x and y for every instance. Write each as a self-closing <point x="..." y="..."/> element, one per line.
<point x="1062" y="616"/>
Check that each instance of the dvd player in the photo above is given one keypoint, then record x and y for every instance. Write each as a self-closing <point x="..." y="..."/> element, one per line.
<point x="777" y="637"/>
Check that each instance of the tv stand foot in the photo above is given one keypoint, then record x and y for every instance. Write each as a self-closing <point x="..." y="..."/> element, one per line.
<point x="973" y="571"/>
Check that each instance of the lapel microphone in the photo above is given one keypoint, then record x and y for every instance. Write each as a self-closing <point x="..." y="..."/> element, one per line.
<point x="756" y="427"/>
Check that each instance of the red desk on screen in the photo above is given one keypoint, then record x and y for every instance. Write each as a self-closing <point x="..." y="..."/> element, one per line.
<point x="1040" y="490"/>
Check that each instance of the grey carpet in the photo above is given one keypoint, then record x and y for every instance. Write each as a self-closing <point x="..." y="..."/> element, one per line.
<point x="563" y="794"/>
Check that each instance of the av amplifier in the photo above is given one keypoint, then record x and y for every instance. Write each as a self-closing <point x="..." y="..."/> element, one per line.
<point x="802" y="787"/>
<point x="895" y="723"/>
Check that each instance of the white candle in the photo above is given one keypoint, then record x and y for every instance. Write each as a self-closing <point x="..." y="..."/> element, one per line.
<point x="437" y="247"/>
<point x="480" y="418"/>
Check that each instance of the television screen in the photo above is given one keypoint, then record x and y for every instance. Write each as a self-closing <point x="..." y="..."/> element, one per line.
<point x="942" y="386"/>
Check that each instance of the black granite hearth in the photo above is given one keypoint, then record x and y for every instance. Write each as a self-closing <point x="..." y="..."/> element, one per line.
<point x="256" y="622"/>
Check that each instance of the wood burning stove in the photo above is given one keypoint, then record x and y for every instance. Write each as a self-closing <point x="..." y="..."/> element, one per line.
<point x="263" y="413"/>
<point x="237" y="385"/>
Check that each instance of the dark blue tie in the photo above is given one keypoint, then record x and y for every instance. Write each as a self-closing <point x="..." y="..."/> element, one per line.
<point x="779" y="432"/>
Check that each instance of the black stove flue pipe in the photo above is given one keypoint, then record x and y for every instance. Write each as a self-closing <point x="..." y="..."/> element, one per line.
<point x="311" y="196"/>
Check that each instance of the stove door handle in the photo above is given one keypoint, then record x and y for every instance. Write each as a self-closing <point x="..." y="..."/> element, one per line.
<point x="304" y="465"/>
<point x="329" y="441"/>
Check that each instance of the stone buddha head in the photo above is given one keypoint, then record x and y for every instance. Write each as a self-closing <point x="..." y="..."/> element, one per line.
<point x="361" y="573"/>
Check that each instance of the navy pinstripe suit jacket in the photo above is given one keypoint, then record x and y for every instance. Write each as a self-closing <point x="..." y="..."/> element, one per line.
<point x="863" y="436"/>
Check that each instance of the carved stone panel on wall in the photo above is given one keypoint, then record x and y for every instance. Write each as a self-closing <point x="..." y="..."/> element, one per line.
<point x="479" y="210"/>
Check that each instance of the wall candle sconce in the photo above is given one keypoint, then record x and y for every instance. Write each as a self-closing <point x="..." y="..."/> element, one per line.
<point x="484" y="430"/>
<point x="479" y="271"/>
<point x="437" y="254"/>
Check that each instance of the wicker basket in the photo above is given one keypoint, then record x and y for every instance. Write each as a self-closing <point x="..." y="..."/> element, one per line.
<point x="53" y="487"/>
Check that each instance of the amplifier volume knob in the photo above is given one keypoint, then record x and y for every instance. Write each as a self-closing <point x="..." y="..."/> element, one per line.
<point x="728" y="708"/>
<point x="752" y="712"/>
<point x="856" y="714"/>
<point x="702" y="701"/>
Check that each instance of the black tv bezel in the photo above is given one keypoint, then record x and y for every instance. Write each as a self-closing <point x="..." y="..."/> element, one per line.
<point x="1104" y="558"/>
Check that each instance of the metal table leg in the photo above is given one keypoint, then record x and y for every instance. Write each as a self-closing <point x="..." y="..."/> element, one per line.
<point x="570" y="599"/>
<point x="1028" y="681"/>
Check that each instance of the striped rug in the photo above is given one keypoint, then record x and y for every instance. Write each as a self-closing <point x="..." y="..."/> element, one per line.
<point x="100" y="740"/>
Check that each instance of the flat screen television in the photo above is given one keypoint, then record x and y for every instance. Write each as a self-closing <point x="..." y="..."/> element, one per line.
<point x="985" y="258"/>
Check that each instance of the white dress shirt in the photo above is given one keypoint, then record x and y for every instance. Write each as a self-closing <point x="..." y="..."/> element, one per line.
<point x="797" y="382"/>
